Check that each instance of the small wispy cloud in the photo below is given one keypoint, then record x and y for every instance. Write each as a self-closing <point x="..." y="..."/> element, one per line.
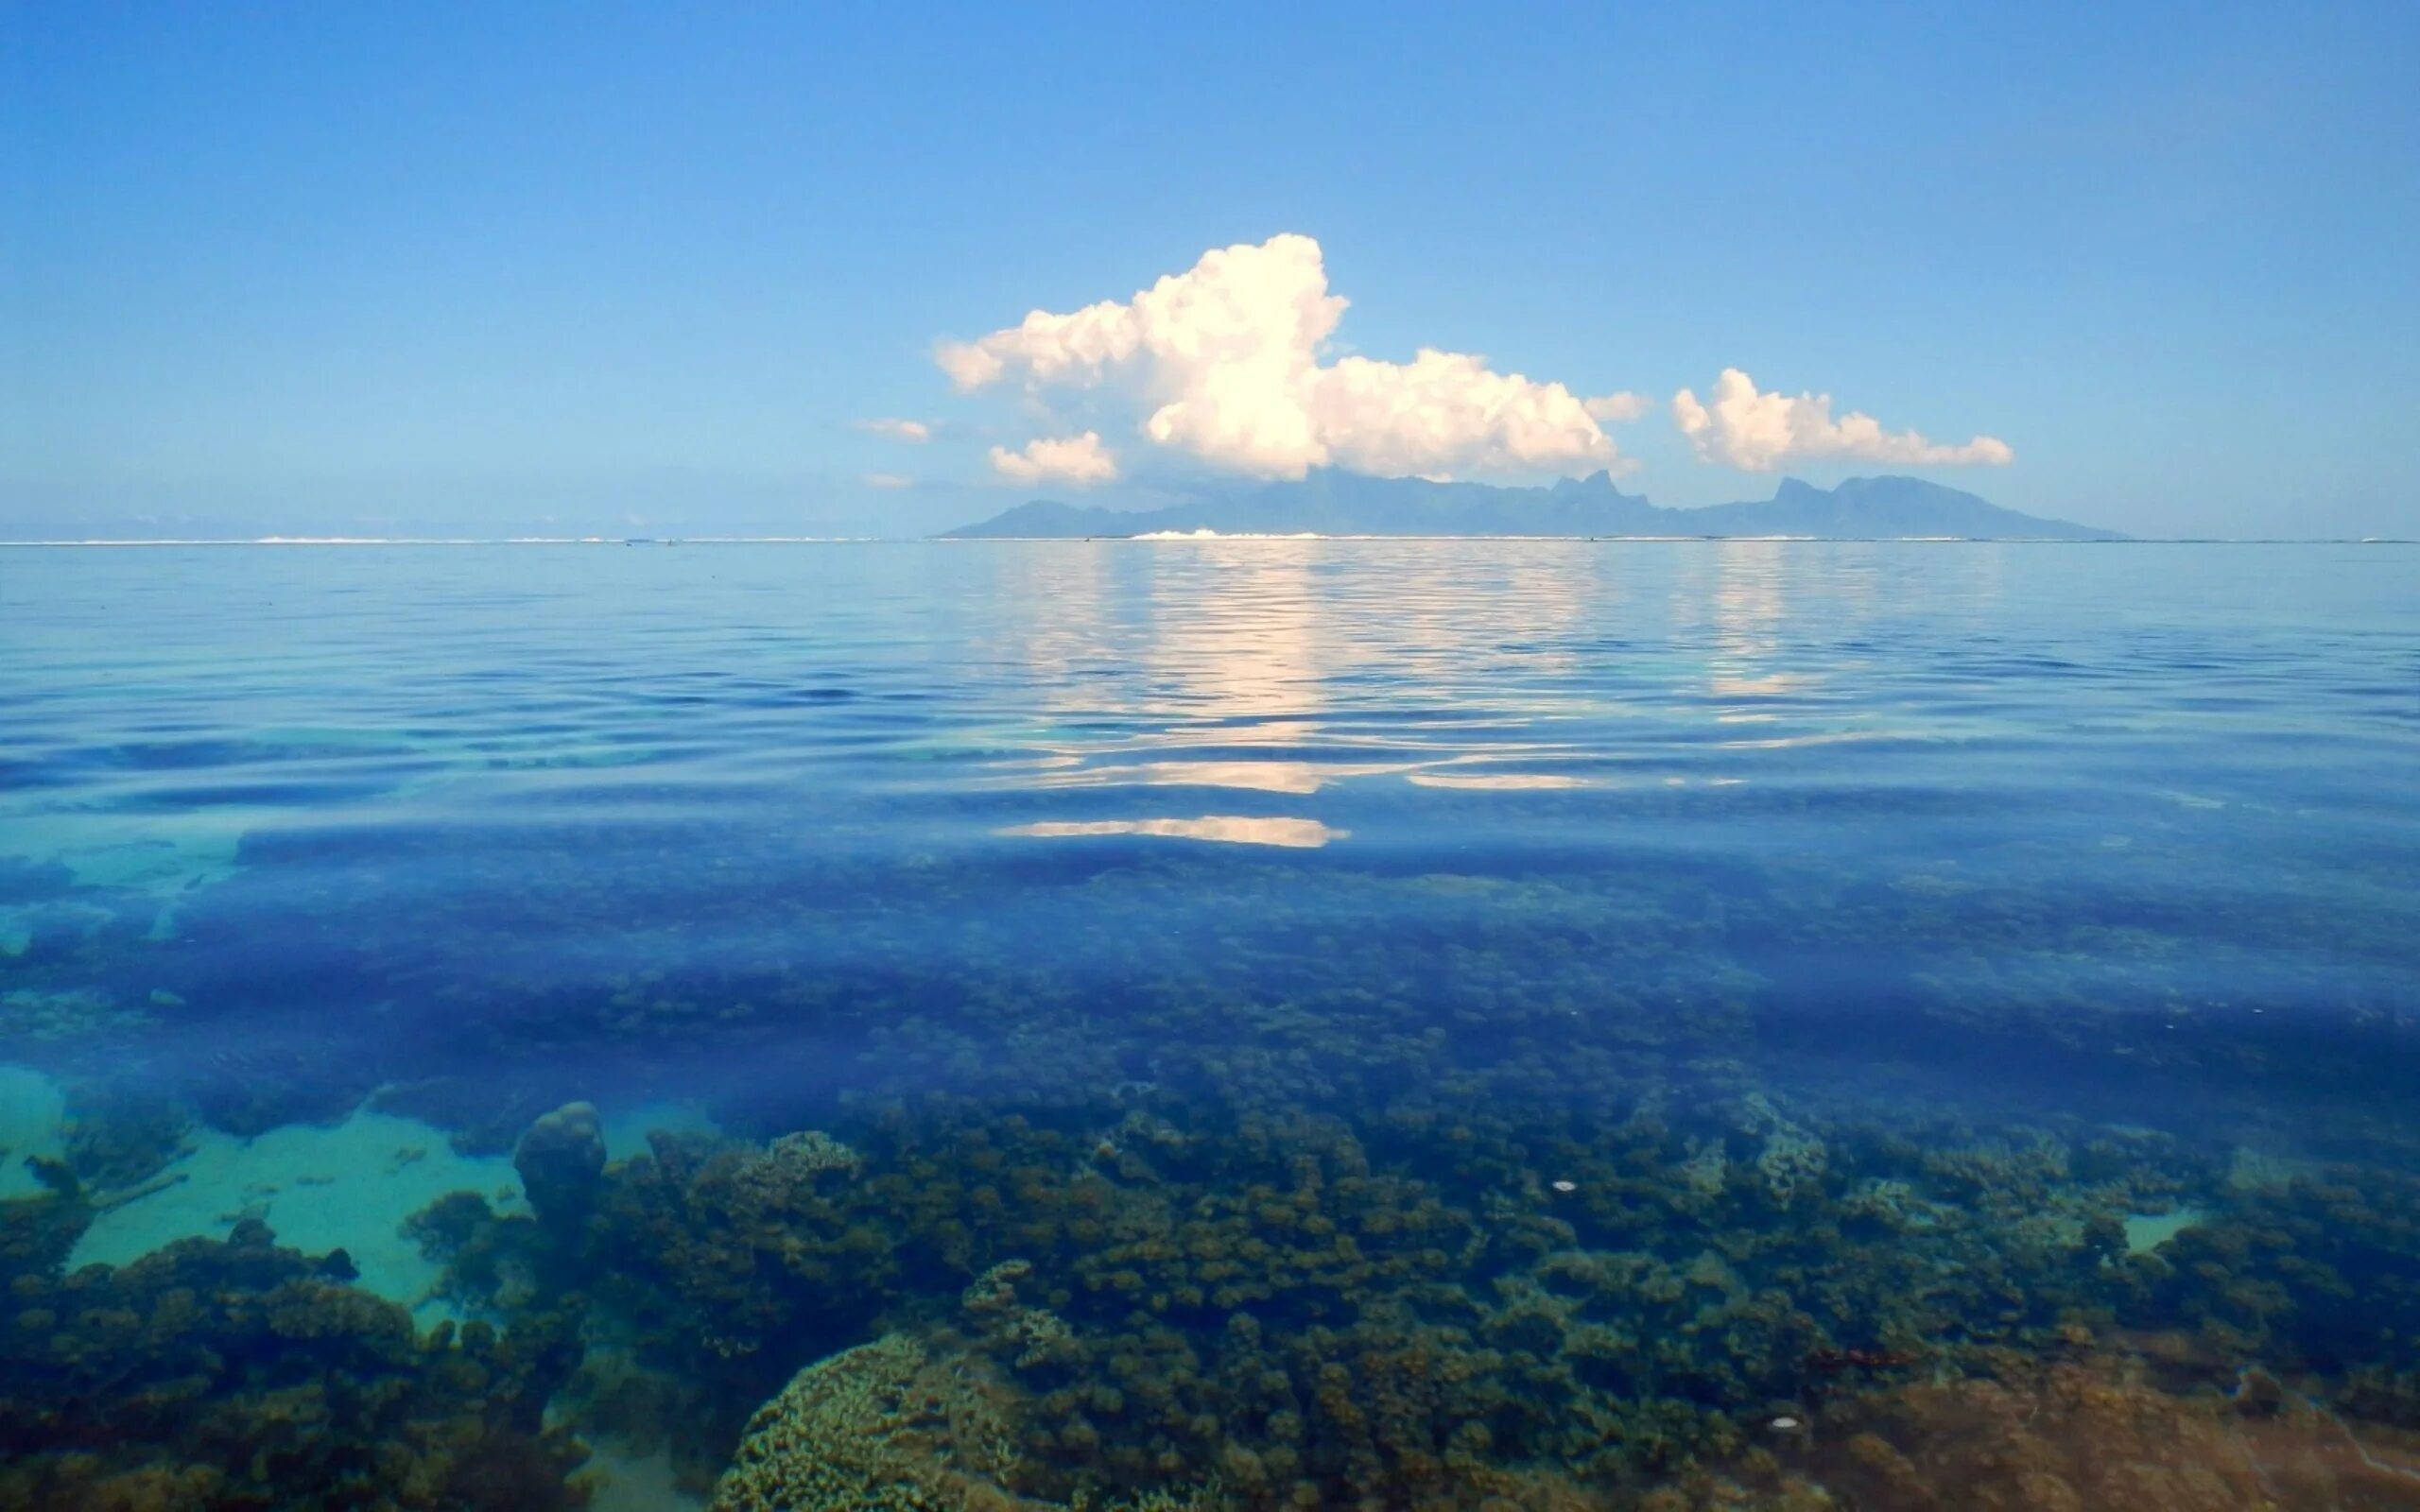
<point x="1758" y="431"/>
<point x="1617" y="407"/>
<point x="1077" y="460"/>
<point x="914" y="431"/>
<point x="889" y="480"/>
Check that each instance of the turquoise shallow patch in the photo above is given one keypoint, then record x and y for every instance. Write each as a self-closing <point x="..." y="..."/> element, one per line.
<point x="345" y="1186"/>
<point x="2147" y="1231"/>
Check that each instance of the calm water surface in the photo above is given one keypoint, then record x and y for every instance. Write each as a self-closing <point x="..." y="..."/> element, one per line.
<point x="1762" y="847"/>
<point x="409" y="812"/>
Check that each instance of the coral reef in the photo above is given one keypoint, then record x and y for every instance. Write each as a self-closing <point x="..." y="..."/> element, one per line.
<point x="2320" y="1271"/>
<point x="1310" y="1310"/>
<point x="738" y="1265"/>
<point x="1156" y="1299"/>
<point x="1500" y="1216"/>
<point x="2093" y="1433"/>
<point x="238" y="1374"/>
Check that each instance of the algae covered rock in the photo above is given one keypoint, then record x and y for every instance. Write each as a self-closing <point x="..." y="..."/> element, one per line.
<point x="2099" y="1432"/>
<point x="561" y="1159"/>
<point x="235" y="1373"/>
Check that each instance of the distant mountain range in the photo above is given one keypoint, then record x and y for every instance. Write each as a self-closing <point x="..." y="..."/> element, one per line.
<point x="1343" y="503"/>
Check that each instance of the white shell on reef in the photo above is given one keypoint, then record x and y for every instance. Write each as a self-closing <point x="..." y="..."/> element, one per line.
<point x="1566" y="1186"/>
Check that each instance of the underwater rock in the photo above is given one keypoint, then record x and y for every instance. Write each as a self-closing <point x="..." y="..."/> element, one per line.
<point x="560" y="1159"/>
<point x="120" y="1137"/>
<point x="792" y="1164"/>
<point x="896" y="1425"/>
<point x="2320" y="1273"/>
<point x="37" y="1235"/>
<point x="248" y="1090"/>
<point x="57" y="1176"/>
<point x="39" y="1016"/>
<point x="1789" y="1159"/>
<point x="235" y="1373"/>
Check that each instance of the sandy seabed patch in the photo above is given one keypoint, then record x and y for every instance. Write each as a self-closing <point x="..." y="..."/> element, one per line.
<point x="345" y="1186"/>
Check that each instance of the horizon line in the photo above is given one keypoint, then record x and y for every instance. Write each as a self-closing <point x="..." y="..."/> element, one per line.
<point x="1153" y="538"/>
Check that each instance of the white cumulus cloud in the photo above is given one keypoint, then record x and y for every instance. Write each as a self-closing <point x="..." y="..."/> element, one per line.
<point x="1761" y="431"/>
<point x="1226" y="361"/>
<point x="915" y="431"/>
<point x="1078" y="460"/>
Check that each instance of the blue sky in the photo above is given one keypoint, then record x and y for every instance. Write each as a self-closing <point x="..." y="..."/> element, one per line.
<point x="353" y="268"/>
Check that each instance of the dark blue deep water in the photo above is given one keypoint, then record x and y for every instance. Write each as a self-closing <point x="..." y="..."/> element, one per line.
<point x="1926" y="968"/>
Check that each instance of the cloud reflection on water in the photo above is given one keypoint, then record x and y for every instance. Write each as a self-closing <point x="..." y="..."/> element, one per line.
<point x="1507" y="782"/>
<point x="1584" y="673"/>
<point x="1262" y="656"/>
<point x="1223" y="828"/>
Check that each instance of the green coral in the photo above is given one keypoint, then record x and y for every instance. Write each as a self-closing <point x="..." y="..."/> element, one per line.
<point x="1432" y="1304"/>
<point x="2321" y="1272"/>
<point x="237" y="1374"/>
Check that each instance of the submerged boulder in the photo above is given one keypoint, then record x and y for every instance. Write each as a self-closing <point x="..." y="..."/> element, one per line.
<point x="217" y="1374"/>
<point x="561" y="1160"/>
<point x="899" y="1424"/>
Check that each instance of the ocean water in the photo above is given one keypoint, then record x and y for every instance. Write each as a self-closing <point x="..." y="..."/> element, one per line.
<point x="1291" y="1022"/>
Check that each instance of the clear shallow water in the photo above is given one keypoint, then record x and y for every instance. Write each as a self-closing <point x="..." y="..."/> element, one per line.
<point x="395" y="813"/>
<point x="1986" y="842"/>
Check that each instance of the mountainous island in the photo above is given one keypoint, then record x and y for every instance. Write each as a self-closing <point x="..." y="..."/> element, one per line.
<point x="1331" y="503"/>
